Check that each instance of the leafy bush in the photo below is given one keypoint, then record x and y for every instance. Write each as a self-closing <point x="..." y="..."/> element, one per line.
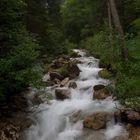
<point x="105" y="74"/>
<point x="17" y="69"/>
<point x="127" y="84"/>
<point x="101" y="46"/>
<point x="126" y="75"/>
<point x="133" y="103"/>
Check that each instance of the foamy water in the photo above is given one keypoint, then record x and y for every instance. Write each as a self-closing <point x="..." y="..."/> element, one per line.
<point x="54" y="122"/>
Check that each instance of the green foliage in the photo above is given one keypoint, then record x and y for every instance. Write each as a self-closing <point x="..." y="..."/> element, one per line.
<point x="127" y="88"/>
<point x="54" y="45"/>
<point x="133" y="103"/>
<point x="17" y="69"/>
<point x="126" y="75"/>
<point x="127" y="82"/>
<point x="136" y="23"/>
<point x="133" y="46"/>
<point x="131" y="12"/>
<point x="79" y="18"/>
<point x="105" y="74"/>
<point x="45" y="21"/>
<point x="105" y="46"/>
<point x="18" y="50"/>
<point x="59" y="27"/>
<point x="83" y="22"/>
<point x="127" y="79"/>
<point x="69" y="46"/>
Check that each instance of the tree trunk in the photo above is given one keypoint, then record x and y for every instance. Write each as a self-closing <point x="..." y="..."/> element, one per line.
<point x="110" y="31"/>
<point x="117" y="24"/>
<point x="109" y="16"/>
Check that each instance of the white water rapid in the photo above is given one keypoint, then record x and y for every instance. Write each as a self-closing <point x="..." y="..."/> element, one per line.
<point x="56" y="121"/>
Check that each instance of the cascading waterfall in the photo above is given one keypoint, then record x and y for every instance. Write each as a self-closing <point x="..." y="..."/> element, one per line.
<point x="56" y="121"/>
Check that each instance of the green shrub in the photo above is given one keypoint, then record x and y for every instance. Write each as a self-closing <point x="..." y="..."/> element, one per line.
<point x="133" y="103"/>
<point x="69" y="46"/>
<point x="105" y="74"/>
<point x="126" y="87"/>
<point x="18" y="69"/>
<point x="102" y="47"/>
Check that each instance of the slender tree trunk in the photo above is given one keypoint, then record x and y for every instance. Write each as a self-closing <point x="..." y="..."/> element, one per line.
<point x="109" y="16"/>
<point x="117" y="24"/>
<point x="110" y="31"/>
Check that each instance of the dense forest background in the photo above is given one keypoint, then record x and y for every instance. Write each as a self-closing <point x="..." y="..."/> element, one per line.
<point x="34" y="32"/>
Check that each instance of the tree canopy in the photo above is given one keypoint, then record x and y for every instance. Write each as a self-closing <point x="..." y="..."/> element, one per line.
<point x="33" y="32"/>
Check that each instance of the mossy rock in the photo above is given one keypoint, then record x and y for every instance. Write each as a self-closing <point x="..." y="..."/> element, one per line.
<point x="63" y="71"/>
<point x="105" y="74"/>
<point x="70" y="69"/>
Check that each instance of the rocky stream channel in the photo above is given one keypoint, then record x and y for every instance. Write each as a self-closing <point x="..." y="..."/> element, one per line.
<point x="79" y="109"/>
<point x="75" y="104"/>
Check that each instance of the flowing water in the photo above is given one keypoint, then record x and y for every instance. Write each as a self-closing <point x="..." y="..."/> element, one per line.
<point x="63" y="120"/>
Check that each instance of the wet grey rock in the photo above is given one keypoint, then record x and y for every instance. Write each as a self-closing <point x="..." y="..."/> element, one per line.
<point x="74" y="70"/>
<point x="55" y="75"/>
<point x="62" y="94"/>
<point x="72" y="85"/>
<point x="56" y="81"/>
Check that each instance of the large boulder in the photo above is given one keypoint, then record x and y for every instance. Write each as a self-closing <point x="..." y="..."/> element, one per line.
<point x="73" y="69"/>
<point x="96" y="121"/>
<point x="72" y="85"/>
<point x="134" y="132"/>
<point x="100" y="92"/>
<point x="130" y="116"/>
<point x="55" y="75"/>
<point x="62" y="93"/>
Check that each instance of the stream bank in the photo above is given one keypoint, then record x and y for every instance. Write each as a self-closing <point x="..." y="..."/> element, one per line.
<point x="14" y="118"/>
